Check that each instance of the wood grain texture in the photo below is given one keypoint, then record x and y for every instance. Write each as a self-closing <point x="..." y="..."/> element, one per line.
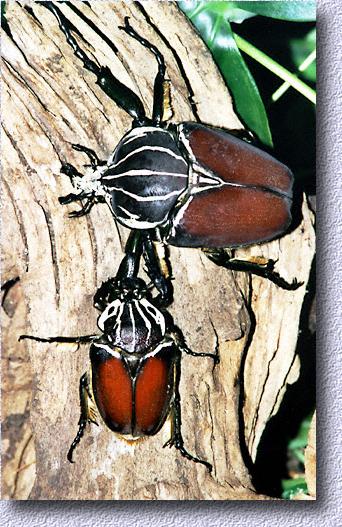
<point x="50" y="101"/>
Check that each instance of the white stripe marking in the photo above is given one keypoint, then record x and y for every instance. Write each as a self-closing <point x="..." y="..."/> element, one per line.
<point x="133" y="221"/>
<point x="148" y="198"/>
<point x="145" y="319"/>
<point x="155" y="314"/>
<point x="109" y="350"/>
<point x="141" y="132"/>
<point x="148" y="148"/>
<point x="141" y="172"/>
<point x="133" y="324"/>
<point x="117" y="305"/>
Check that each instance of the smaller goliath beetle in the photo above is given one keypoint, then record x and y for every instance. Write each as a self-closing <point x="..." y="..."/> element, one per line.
<point x="189" y="185"/>
<point x="135" y="362"/>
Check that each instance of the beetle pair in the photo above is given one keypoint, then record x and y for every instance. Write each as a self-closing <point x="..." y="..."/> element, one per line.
<point x="187" y="185"/>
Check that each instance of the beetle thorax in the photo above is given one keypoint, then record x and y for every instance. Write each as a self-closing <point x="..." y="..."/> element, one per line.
<point x="145" y="175"/>
<point x="133" y="325"/>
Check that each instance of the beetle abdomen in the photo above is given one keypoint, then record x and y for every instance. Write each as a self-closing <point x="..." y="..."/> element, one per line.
<point x="145" y="175"/>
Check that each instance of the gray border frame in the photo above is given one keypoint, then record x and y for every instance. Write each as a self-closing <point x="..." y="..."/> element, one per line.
<point x="327" y="509"/>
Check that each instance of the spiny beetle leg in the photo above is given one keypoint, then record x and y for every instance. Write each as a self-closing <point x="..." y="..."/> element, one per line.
<point x="84" y="339"/>
<point x="158" y="95"/>
<point x="188" y="351"/>
<point x="70" y="171"/>
<point x="265" y="270"/>
<point x="93" y="157"/>
<point x="88" y="413"/>
<point x="84" y="210"/>
<point x="158" y="269"/>
<point x="129" y="268"/>
<point x="118" y="92"/>
<point x="70" y="198"/>
<point x="176" y="439"/>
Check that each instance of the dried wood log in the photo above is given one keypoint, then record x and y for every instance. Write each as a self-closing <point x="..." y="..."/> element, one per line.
<point x="50" y="101"/>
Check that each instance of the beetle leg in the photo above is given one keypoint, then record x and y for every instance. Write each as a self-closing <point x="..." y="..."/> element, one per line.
<point x="188" y="351"/>
<point x="70" y="171"/>
<point x="160" y="88"/>
<point x="129" y="268"/>
<point x="176" y="438"/>
<point x="88" y="413"/>
<point x="265" y="270"/>
<point x="84" y="210"/>
<point x="179" y="340"/>
<point x="84" y="339"/>
<point x="118" y="92"/>
<point x="158" y="269"/>
<point x="93" y="157"/>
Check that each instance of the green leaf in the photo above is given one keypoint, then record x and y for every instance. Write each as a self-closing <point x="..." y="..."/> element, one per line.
<point x="300" y="50"/>
<point x="193" y="8"/>
<point x="3" y="10"/>
<point x="211" y="20"/>
<point x="302" y="11"/>
<point x="292" y="487"/>
<point x="301" y="439"/>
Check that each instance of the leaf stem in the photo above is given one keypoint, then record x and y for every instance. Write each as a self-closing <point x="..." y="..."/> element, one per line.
<point x="276" y="68"/>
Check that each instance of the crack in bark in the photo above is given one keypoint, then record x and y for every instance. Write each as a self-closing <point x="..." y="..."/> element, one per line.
<point x="90" y="88"/>
<point x="17" y="211"/>
<point x="17" y="475"/>
<point x="93" y="245"/>
<point x="93" y="26"/>
<point x="283" y="385"/>
<point x="241" y="396"/>
<point x="256" y="415"/>
<point x="30" y="11"/>
<point x="44" y="130"/>
<point x="52" y="237"/>
<point x="212" y="435"/>
<point x="24" y="82"/>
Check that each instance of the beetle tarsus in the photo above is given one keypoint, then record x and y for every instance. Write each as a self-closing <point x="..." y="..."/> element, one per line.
<point x="188" y="351"/>
<point x="265" y="270"/>
<point x="70" y="171"/>
<point x="95" y="161"/>
<point x="84" y="210"/>
<point x="176" y="438"/>
<point x="177" y="442"/>
<point x="88" y="414"/>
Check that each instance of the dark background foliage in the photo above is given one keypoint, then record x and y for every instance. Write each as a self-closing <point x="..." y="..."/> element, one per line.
<point x="285" y="33"/>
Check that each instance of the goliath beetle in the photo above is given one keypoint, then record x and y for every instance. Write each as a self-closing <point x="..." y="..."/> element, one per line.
<point x="135" y="362"/>
<point x="188" y="185"/>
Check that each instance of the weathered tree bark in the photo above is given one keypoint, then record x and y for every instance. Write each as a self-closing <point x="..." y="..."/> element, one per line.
<point x="50" y="101"/>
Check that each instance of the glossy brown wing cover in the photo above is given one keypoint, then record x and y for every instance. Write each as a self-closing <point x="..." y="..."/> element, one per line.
<point x="236" y="161"/>
<point x="153" y="391"/>
<point x="252" y="204"/>
<point x="113" y="392"/>
<point x="134" y="400"/>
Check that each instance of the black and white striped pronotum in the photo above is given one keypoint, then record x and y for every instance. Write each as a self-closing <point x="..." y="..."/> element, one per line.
<point x="199" y="186"/>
